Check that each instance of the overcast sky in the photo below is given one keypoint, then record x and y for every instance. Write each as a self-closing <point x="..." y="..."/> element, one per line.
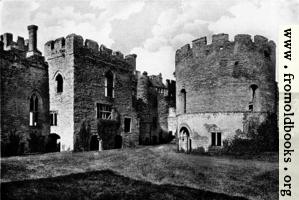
<point x="153" y="29"/>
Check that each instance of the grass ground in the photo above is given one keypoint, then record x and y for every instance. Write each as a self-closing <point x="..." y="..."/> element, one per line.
<point x="143" y="173"/>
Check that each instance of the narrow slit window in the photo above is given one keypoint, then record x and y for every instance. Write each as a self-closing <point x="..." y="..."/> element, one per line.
<point x="109" y="84"/>
<point x="53" y="118"/>
<point x="218" y="139"/>
<point x="213" y="139"/>
<point x="183" y="97"/>
<point x="127" y="123"/>
<point x="33" y="111"/>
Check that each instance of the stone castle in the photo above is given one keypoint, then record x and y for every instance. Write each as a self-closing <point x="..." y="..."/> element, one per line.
<point x="80" y="96"/>
<point x="223" y="88"/>
<point x="83" y="96"/>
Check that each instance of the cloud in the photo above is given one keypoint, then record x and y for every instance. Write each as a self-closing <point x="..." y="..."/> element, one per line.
<point x="16" y="14"/>
<point x="136" y="29"/>
<point x="160" y="61"/>
<point x="115" y="9"/>
<point x="152" y="29"/>
<point x="257" y="17"/>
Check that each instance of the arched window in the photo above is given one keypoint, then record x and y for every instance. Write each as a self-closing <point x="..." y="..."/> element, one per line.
<point x="33" y="110"/>
<point x="109" y="84"/>
<point x="183" y="100"/>
<point x="59" y="83"/>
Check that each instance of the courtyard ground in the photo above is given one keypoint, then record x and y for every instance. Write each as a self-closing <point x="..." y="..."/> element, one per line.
<point x="152" y="172"/>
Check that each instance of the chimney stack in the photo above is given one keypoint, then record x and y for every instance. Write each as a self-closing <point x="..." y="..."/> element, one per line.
<point x="32" y="46"/>
<point x="1" y="46"/>
<point x="7" y="40"/>
<point x="32" y="37"/>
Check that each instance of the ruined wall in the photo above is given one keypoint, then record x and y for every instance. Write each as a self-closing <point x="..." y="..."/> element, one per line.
<point x="22" y="77"/>
<point x="153" y="102"/>
<point x="218" y="80"/>
<point x="87" y="63"/>
<point x="147" y="110"/>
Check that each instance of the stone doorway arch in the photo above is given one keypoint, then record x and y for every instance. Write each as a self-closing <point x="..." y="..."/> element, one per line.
<point x="184" y="140"/>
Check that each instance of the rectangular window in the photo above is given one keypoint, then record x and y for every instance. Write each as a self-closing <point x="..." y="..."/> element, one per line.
<point x="250" y="107"/>
<point x="216" y="138"/>
<point x="53" y="118"/>
<point x="104" y="111"/>
<point x="127" y="123"/>
<point x="213" y="139"/>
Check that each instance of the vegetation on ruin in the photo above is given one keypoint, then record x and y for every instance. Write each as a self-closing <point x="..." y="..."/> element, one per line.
<point x="263" y="139"/>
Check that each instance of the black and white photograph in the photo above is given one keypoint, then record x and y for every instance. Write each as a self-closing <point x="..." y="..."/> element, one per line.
<point x="149" y="99"/>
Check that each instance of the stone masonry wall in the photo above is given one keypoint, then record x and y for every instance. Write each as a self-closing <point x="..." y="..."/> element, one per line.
<point x="218" y="80"/>
<point x="201" y="125"/>
<point x="84" y="65"/>
<point x="61" y="61"/>
<point x="20" y="78"/>
<point x="217" y="77"/>
<point x="153" y="102"/>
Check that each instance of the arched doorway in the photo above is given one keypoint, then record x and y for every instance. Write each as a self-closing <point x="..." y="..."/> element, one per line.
<point x="118" y="141"/>
<point x="53" y="143"/>
<point x="184" y="140"/>
<point x="94" y="143"/>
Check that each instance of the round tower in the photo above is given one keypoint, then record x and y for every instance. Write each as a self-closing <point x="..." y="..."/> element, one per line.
<point x="222" y="86"/>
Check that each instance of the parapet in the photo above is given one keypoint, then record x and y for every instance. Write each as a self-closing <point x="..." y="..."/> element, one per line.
<point x="197" y="43"/>
<point x="243" y="38"/>
<point x="131" y="59"/>
<point x="200" y="47"/>
<point x="8" y="43"/>
<point x="91" y="44"/>
<point x="105" y="51"/>
<point x="75" y="43"/>
<point x="258" y="39"/>
<point x="62" y="45"/>
<point x="219" y="39"/>
<point x="184" y="51"/>
<point x="118" y="55"/>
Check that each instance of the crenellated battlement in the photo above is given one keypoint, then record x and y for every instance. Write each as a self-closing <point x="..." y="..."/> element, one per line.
<point x="73" y="44"/>
<point x="221" y="42"/>
<point x="7" y="41"/>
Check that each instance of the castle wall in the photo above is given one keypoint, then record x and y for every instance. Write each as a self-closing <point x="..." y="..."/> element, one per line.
<point x="90" y="89"/>
<point x="218" y="76"/>
<point x="62" y="102"/>
<point x="83" y="66"/>
<point x="153" y="102"/>
<point x="225" y="84"/>
<point x="21" y="78"/>
<point x="201" y="126"/>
